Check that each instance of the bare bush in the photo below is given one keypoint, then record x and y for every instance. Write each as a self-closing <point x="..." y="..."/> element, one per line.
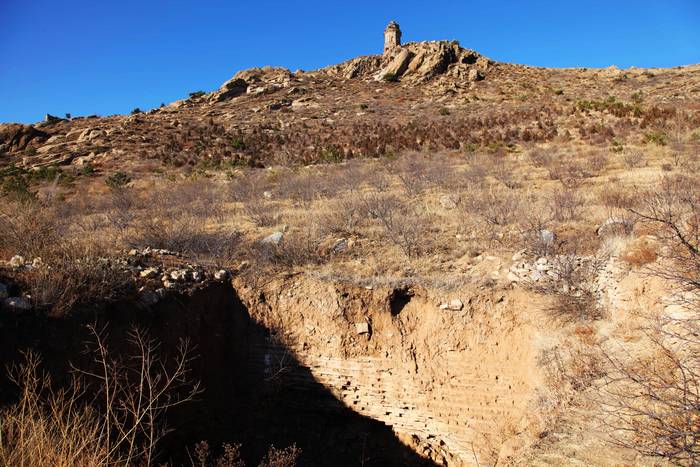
<point x="633" y="159"/>
<point x="569" y="279"/>
<point x="565" y="204"/>
<point x="286" y="457"/>
<point x="72" y="279"/>
<point x="651" y="400"/>
<point x="302" y="188"/>
<point x="230" y="457"/>
<point x="403" y="225"/>
<point x="504" y="173"/>
<point x="30" y="230"/>
<point x="344" y="216"/>
<point x="48" y="426"/>
<point x="261" y="212"/>
<point x="497" y="207"/>
<point x="136" y="392"/>
<point x="113" y="415"/>
<point x="413" y="173"/>
<point x="295" y="249"/>
<point x="651" y="404"/>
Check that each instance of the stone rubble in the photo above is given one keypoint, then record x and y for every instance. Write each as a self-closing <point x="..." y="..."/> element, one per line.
<point x="453" y="305"/>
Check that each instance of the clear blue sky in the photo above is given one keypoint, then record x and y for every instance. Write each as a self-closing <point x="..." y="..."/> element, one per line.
<point x="105" y="57"/>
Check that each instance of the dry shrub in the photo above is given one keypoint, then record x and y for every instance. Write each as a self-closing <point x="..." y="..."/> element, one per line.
<point x="650" y="400"/>
<point x="184" y="233"/>
<point x="497" y="207"/>
<point x="504" y="173"/>
<point x="633" y="159"/>
<point x="302" y="188"/>
<point x="262" y="213"/>
<point x="597" y="162"/>
<point x="48" y="426"/>
<point x="286" y="457"/>
<point x="110" y="415"/>
<point x="569" y="284"/>
<point x="71" y="272"/>
<point x="650" y="403"/>
<point x="230" y="457"/>
<point x="571" y="173"/>
<point x="343" y="216"/>
<point x="298" y="248"/>
<point x="29" y="229"/>
<point x="412" y="171"/>
<point x="617" y="197"/>
<point x="541" y="158"/>
<point x="565" y="204"/>
<point x="74" y="279"/>
<point x="403" y="224"/>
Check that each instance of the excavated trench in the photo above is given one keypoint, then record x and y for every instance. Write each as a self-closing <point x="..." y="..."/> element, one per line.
<point x="352" y="376"/>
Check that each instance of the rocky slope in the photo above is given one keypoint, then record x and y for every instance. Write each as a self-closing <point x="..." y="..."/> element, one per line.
<point x="422" y="95"/>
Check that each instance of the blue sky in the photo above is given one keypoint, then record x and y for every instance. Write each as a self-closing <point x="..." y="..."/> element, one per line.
<point x="105" y="57"/>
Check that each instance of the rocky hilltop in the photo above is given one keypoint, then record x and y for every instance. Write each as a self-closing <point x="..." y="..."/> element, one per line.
<point x="421" y="95"/>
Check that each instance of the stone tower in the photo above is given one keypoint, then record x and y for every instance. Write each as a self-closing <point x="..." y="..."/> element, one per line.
<point x="392" y="36"/>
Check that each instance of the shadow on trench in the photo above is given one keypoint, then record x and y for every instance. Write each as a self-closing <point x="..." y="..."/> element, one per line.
<point x="246" y="400"/>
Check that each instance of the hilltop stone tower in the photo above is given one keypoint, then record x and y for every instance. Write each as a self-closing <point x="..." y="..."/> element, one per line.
<point x="392" y="36"/>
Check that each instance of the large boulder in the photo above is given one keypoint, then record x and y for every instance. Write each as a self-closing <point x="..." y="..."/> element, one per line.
<point x="397" y="66"/>
<point x="230" y="89"/>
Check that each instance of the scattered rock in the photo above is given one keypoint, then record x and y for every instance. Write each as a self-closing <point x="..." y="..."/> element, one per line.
<point x="518" y="255"/>
<point x="149" y="273"/>
<point x="17" y="262"/>
<point x="475" y="75"/>
<point x="274" y="238"/>
<point x="362" y="328"/>
<point x="179" y="275"/>
<point x="535" y="276"/>
<point x="220" y="275"/>
<point x="454" y="305"/>
<point x="615" y="226"/>
<point x="17" y="304"/>
<point x="449" y="201"/>
<point x="547" y="237"/>
<point x="340" y="245"/>
<point x="267" y="194"/>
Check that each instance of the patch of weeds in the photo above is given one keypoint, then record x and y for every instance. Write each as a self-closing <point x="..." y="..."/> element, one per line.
<point x="656" y="137"/>
<point x="16" y="188"/>
<point x="616" y="146"/>
<point x="117" y="180"/>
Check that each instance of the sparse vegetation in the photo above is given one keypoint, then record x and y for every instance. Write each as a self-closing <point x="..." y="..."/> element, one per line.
<point x="420" y="217"/>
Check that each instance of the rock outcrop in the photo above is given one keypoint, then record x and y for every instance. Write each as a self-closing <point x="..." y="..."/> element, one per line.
<point x="16" y="137"/>
<point x="254" y="81"/>
<point x="418" y="62"/>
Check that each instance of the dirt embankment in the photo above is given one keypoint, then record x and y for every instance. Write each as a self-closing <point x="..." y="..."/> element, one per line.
<point x="458" y="382"/>
<point x="244" y="400"/>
